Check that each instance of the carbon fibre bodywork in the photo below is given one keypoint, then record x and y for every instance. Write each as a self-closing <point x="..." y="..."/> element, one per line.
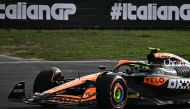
<point x="156" y="83"/>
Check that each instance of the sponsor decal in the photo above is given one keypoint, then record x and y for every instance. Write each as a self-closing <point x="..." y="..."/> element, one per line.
<point x="179" y="84"/>
<point x="23" y="11"/>
<point x="90" y="94"/>
<point x="155" y="81"/>
<point x="169" y="62"/>
<point x="18" y="90"/>
<point x="151" y="11"/>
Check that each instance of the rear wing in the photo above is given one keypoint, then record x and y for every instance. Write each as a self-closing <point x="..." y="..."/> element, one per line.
<point x="18" y="92"/>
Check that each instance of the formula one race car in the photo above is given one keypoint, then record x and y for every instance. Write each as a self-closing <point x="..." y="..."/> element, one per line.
<point x="130" y="83"/>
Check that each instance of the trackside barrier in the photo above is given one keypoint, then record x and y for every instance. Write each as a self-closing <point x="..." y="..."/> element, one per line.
<point x="45" y="14"/>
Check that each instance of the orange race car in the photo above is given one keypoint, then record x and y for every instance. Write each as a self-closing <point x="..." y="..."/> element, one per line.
<point x="130" y="83"/>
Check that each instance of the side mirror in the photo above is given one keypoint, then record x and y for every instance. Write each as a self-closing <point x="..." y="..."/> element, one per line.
<point x="102" y="67"/>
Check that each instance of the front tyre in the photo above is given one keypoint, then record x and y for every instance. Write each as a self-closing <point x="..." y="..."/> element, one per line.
<point x="44" y="82"/>
<point x="111" y="92"/>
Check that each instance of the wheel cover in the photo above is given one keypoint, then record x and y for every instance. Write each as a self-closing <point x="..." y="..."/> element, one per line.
<point x="118" y="94"/>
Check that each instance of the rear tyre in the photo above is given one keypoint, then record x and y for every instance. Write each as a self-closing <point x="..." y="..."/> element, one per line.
<point x="111" y="92"/>
<point x="43" y="82"/>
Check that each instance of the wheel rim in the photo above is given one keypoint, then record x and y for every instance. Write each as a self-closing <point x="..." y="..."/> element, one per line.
<point x="118" y="94"/>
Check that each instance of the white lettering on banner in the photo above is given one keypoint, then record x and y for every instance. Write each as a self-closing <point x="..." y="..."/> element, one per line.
<point x="2" y="7"/>
<point x="128" y="11"/>
<point x="58" y="11"/>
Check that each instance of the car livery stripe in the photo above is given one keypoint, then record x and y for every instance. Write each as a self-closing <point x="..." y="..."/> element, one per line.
<point x="73" y="83"/>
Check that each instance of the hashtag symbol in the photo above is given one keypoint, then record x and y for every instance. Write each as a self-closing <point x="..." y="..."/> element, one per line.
<point x="116" y="11"/>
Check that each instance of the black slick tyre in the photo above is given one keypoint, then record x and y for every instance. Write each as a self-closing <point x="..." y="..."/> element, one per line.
<point x="43" y="82"/>
<point x="111" y="92"/>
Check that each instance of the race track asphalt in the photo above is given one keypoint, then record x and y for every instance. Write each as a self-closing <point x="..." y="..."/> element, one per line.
<point x="13" y="71"/>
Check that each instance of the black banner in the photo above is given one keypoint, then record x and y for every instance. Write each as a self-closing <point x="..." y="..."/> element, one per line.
<point x="95" y="14"/>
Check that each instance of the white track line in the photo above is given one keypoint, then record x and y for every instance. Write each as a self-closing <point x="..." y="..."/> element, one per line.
<point x="20" y="62"/>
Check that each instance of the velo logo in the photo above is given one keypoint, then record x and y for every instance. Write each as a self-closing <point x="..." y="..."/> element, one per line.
<point x="155" y="81"/>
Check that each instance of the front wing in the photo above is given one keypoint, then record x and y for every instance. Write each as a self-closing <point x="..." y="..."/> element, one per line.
<point x="18" y="95"/>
